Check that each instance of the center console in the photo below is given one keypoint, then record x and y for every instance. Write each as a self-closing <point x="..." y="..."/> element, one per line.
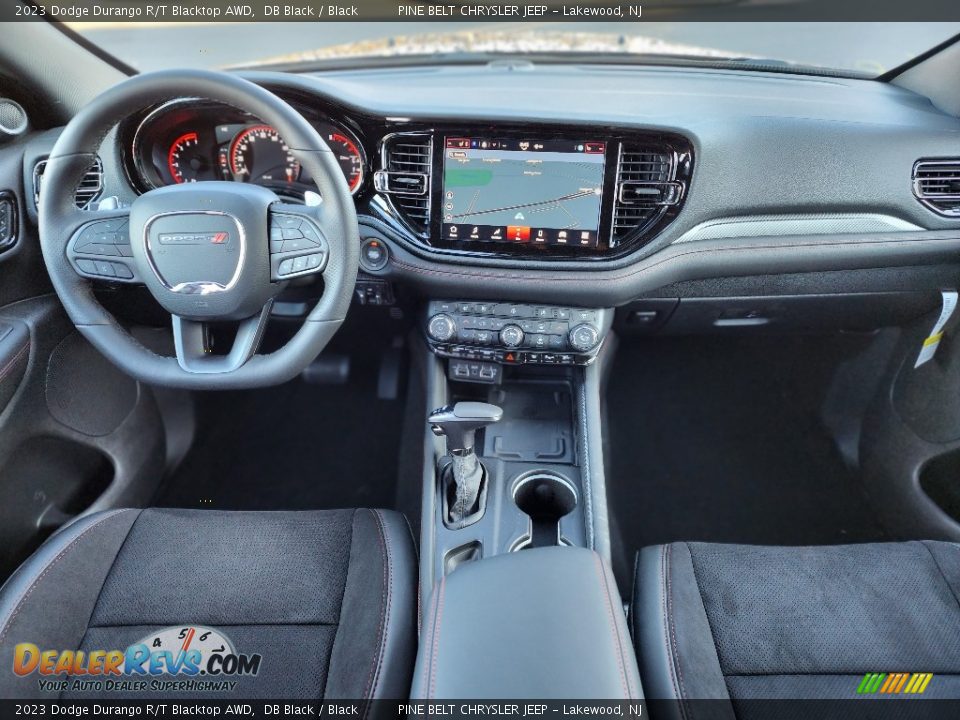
<point x="515" y="550"/>
<point x="515" y="457"/>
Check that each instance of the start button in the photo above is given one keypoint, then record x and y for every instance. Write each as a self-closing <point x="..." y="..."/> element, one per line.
<point x="374" y="255"/>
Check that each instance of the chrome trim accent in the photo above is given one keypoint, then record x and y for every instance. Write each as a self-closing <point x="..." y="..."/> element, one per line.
<point x="930" y="199"/>
<point x="16" y="129"/>
<point x="197" y="287"/>
<point x="778" y="225"/>
<point x="385" y="143"/>
<point x="135" y="155"/>
<point x="95" y="170"/>
<point x="381" y="183"/>
<point x="676" y="198"/>
<point x="673" y="162"/>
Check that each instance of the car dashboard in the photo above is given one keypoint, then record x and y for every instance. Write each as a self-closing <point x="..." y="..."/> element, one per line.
<point x="583" y="185"/>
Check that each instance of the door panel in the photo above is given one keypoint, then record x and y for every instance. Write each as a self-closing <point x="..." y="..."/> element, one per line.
<point x="76" y="434"/>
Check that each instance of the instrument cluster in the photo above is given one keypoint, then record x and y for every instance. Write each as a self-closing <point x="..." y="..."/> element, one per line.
<point x="193" y="141"/>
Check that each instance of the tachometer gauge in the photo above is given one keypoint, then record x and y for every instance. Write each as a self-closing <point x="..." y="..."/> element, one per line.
<point x="259" y="155"/>
<point x="348" y="155"/>
<point x="185" y="161"/>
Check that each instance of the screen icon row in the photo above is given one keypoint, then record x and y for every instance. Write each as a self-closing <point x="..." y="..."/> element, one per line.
<point x="519" y="234"/>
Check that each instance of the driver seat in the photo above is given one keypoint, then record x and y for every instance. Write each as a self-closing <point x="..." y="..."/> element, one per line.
<point x="326" y="598"/>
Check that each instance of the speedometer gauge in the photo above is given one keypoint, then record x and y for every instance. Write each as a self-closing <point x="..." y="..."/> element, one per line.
<point x="259" y="155"/>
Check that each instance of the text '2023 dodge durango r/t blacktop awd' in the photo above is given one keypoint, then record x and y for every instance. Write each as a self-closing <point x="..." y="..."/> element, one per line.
<point x="641" y="350"/>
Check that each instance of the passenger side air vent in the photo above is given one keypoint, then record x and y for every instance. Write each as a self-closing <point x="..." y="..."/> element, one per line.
<point x="936" y="183"/>
<point x="406" y="160"/>
<point x="89" y="190"/>
<point x="646" y="186"/>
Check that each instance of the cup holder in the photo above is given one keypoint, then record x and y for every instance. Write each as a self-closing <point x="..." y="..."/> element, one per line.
<point x="545" y="498"/>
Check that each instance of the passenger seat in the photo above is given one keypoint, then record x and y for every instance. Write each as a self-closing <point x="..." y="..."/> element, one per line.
<point x="740" y="622"/>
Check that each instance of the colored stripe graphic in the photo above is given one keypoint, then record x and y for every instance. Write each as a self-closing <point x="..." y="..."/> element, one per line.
<point x="915" y="682"/>
<point x="870" y="683"/>
<point x="890" y="684"/>
<point x="894" y="683"/>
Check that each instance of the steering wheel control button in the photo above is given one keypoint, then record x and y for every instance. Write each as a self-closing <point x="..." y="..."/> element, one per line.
<point x="287" y="222"/>
<point x="374" y="255"/>
<point x="515" y="334"/>
<point x="95" y="245"/>
<point x="308" y="231"/>
<point x="301" y="265"/>
<point x="88" y="267"/>
<point x="121" y="270"/>
<point x="297" y="245"/>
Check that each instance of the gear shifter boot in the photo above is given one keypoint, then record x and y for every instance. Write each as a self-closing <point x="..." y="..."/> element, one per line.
<point x="468" y="476"/>
<point x="459" y="423"/>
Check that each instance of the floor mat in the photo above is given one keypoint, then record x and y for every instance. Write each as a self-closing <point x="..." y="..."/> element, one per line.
<point x="296" y="446"/>
<point x="718" y="439"/>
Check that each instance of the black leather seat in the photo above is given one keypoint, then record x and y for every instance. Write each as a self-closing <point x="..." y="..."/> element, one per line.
<point x="737" y="622"/>
<point x="326" y="598"/>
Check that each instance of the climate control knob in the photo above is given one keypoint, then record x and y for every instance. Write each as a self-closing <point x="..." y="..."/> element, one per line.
<point x="511" y="336"/>
<point x="584" y="337"/>
<point x="442" y="328"/>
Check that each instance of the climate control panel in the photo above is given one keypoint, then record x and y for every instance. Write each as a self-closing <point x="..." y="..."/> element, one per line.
<point x="516" y="333"/>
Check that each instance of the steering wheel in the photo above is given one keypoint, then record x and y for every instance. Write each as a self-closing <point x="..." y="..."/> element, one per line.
<point x="208" y="252"/>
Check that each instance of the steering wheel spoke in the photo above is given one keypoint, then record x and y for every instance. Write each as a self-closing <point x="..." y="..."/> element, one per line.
<point x="298" y="245"/>
<point x="100" y="248"/>
<point x="193" y="342"/>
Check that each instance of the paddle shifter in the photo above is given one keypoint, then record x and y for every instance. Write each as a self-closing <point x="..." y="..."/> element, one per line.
<point x="459" y="424"/>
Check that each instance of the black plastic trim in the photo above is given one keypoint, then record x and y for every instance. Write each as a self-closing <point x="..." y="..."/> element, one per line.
<point x="9" y="198"/>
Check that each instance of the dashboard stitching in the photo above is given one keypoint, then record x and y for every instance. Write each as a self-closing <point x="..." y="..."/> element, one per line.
<point x="611" y="275"/>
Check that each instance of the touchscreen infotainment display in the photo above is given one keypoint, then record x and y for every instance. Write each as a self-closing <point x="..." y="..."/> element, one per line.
<point x="545" y="192"/>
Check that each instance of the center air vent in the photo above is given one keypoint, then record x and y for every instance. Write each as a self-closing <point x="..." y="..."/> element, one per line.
<point x="646" y="186"/>
<point x="89" y="189"/>
<point x="936" y="183"/>
<point x="406" y="160"/>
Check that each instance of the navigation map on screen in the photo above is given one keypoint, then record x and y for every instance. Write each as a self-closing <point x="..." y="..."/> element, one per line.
<point x="522" y="191"/>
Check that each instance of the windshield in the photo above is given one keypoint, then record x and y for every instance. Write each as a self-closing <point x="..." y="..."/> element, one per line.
<point x="845" y="48"/>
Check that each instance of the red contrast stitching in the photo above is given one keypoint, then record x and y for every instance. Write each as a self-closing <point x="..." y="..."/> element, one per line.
<point x="613" y="627"/>
<point x="374" y="673"/>
<point x="14" y="360"/>
<point x="436" y="640"/>
<point x="33" y="585"/>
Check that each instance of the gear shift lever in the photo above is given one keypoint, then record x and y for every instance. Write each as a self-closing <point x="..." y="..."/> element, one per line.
<point x="459" y="424"/>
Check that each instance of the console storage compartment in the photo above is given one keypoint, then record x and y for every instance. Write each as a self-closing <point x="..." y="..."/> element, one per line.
<point x="544" y="623"/>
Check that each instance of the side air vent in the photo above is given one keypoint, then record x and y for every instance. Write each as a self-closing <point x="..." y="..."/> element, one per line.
<point x="406" y="160"/>
<point x="89" y="190"/>
<point x="646" y="186"/>
<point x="936" y="183"/>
